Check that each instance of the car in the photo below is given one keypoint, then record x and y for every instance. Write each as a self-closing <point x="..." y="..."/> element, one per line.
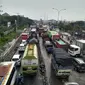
<point x="21" y="48"/>
<point x="71" y="83"/>
<point x="79" y="64"/>
<point x="17" y="59"/>
<point x="23" y="42"/>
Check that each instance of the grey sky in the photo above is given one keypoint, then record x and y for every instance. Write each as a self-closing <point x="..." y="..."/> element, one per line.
<point x="36" y="9"/>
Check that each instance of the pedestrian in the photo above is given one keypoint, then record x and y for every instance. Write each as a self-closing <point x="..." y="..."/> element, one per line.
<point x="19" y="80"/>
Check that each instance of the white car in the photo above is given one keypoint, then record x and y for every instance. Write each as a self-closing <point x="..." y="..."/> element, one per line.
<point x="71" y="83"/>
<point x="23" y="42"/>
<point x="21" y="48"/>
<point x="17" y="59"/>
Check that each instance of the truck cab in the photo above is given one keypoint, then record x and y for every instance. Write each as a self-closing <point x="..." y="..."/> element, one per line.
<point x="74" y="50"/>
<point x="79" y="48"/>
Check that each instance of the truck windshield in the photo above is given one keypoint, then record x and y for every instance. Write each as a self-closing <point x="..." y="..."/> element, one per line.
<point x="49" y="46"/>
<point x="73" y="49"/>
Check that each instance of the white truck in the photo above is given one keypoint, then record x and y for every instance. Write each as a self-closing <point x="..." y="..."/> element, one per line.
<point x="78" y="48"/>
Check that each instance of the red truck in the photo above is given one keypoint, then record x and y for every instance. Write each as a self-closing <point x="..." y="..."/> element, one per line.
<point x="59" y="43"/>
<point x="24" y="36"/>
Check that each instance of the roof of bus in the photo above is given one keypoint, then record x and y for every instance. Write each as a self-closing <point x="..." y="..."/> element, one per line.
<point x="30" y="52"/>
<point x="5" y="71"/>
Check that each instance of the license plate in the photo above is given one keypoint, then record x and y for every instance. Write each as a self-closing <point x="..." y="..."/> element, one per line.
<point x="29" y="68"/>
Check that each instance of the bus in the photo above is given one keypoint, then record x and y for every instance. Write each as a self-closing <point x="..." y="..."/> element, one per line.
<point x="7" y="70"/>
<point x="29" y="62"/>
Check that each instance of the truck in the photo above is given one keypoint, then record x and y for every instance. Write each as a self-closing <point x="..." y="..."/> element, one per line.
<point x="29" y="63"/>
<point x="33" y="36"/>
<point x="78" y="48"/>
<point x="61" y="63"/>
<point x="53" y="35"/>
<point x="24" y="36"/>
<point x="41" y="30"/>
<point x="45" y="37"/>
<point x="59" y="43"/>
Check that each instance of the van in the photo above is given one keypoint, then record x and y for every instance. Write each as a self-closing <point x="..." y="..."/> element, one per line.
<point x="79" y="64"/>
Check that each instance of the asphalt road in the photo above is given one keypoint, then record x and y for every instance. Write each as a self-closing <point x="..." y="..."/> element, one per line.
<point x="33" y="80"/>
<point x="52" y="79"/>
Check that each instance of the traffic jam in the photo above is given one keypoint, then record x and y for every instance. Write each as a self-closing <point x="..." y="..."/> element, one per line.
<point x="45" y="57"/>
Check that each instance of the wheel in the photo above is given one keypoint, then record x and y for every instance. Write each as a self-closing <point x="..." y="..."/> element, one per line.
<point x="75" y="68"/>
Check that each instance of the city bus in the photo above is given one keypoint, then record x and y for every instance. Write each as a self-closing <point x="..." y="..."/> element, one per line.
<point x="7" y="70"/>
<point x="30" y="59"/>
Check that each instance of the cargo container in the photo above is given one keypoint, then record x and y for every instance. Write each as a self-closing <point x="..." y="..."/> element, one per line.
<point x="61" y="63"/>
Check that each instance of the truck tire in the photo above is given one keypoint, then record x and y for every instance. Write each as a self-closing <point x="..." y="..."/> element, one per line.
<point x="67" y="78"/>
<point x="75" y="69"/>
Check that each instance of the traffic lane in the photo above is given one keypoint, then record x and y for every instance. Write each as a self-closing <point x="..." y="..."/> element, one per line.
<point x="51" y="77"/>
<point x="33" y="80"/>
<point x="47" y="60"/>
<point x="77" y="77"/>
<point x="54" y="80"/>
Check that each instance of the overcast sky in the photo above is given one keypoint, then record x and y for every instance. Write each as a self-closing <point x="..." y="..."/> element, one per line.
<point x="36" y="9"/>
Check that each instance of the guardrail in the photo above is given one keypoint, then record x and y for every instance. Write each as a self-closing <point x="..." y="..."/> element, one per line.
<point x="13" y="46"/>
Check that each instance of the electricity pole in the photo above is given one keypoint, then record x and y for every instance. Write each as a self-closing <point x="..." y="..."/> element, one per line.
<point x="0" y="13"/>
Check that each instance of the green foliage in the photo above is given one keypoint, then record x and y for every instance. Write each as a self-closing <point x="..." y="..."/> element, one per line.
<point x="21" y="20"/>
<point x="7" y="38"/>
<point x="71" y="26"/>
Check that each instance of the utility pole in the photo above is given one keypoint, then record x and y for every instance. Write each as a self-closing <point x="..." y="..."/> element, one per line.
<point x="17" y="21"/>
<point x="58" y="12"/>
<point x="0" y="13"/>
<point x="16" y="25"/>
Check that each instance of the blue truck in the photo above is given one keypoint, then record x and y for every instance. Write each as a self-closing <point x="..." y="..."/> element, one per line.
<point x="61" y="63"/>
